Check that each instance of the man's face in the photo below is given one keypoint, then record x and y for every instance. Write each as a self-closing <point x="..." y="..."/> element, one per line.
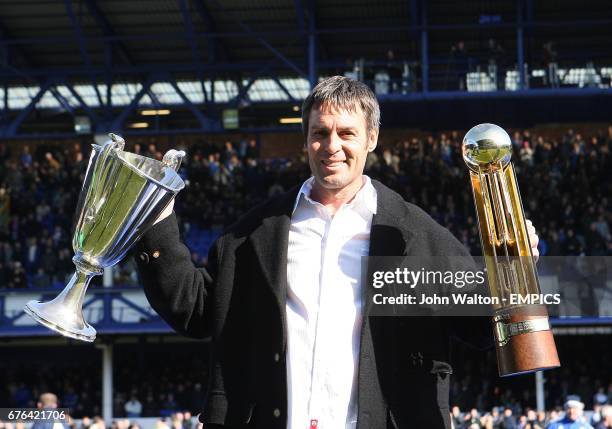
<point x="574" y="413"/>
<point x="338" y="143"/>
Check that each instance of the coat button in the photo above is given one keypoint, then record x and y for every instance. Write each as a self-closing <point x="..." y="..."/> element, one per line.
<point x="276" y="357"/>
<point x="144" y="257"/>
<point x="276" y="412"/>
<point x="155" y="254"/>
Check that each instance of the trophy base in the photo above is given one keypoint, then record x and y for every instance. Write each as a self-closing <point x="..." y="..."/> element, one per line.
<point x="530" y="345"/>
<point x="75" y="328"/>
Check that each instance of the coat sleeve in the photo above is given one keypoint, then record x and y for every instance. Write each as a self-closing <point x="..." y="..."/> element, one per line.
<point x="474" y="330"/>
<point x="175" y="288"/>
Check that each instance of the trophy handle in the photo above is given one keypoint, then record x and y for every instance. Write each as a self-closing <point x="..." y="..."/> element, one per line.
<point x="173" y="158"/>
<point x="117" y="142"/>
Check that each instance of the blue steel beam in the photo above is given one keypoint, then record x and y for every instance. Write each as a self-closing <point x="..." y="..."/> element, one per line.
<point x="214" y="44"/>
<point x="301" y="16"/>
<point x="193" y="45"/>
<point x="62" y="40"/>
<point x="11" y="130"/>
<point x="196" y="112"/>
<point x="301" y="13"/>
<point x="283" y="88"/>
<point x="82" y="45"/>
<point x="117" y="123"/>
<point x="61" y="100"/>
<point x="89" y="111"/>
<point x="5" y="106"/>
<point x="424" y="48"/>
<point x="122" y="50"/>
<point x="414" y="17"/>
<point x="260" y="39"/>
<point x="519" y="44"/>
<point x="108" y="62"/>
<point x="195" y="53"/>
<point x="244" y="90"/>
<point x="121" y="70"/>
<point x="107" y="29"/>
<point x="26" y="60"/>
<point x="312" y="45"/>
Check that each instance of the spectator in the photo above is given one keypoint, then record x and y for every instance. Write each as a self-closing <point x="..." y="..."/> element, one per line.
<point x="550" y="62"/>
<point x="48" y="401"/>
<point x="133" y="407"/>
<point x="507" y="420"/>
<point x="41" y="279"/>
<point x="573" y="417"/>
<point x="460" y="64"/>
<point x="26" y="156"/>
<point x="606" y="418"/>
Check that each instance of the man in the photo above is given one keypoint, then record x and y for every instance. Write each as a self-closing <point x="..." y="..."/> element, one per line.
<point x="48" y="401"/>
<point x="293" y="345"/>
<point x="573" y="417"/>
<point x="606" y="418"/>
<point x="133" y="407"/>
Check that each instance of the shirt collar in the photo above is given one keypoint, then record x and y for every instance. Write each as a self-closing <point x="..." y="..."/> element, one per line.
<point x="366" y="196"/>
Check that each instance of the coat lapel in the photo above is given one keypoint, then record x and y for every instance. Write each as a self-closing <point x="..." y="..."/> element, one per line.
<point x="270" y="242"/>
<point x="388" y="236"/>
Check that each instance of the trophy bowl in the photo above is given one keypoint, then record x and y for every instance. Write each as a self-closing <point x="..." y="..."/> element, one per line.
<point x="122" y="195"/>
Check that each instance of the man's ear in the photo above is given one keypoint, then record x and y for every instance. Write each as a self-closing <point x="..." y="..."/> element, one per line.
<point x="372" y="140"/>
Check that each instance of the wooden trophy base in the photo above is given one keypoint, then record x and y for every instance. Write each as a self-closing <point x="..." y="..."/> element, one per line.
<point x="524" y="340"/>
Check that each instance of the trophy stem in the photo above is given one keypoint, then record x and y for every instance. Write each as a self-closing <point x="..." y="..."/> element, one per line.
<point x="64" y="314"/>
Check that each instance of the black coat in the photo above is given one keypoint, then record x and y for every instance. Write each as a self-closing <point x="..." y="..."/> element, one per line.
<point x="404" y="368"/>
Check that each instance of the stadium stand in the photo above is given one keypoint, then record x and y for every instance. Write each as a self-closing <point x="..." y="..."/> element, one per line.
<point x="563" y="179"/>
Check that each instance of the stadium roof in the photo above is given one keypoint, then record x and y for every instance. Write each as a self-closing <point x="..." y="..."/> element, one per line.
<point x="77" y="56"/>
<point x="45" y="35"/>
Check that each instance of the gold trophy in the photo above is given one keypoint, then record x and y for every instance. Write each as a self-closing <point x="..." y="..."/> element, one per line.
<point x="523" y="337"/>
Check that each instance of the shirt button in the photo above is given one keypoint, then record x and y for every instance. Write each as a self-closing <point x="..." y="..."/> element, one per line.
<point x="144" y="257"/>
<point x="276" y="412"/>
<point x="276" y="357"/>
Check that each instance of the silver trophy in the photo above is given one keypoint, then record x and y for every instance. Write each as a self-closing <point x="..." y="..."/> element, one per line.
<point x="122" y="196"/>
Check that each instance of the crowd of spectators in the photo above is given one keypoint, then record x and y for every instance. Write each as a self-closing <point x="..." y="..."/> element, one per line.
<point x="178" y="420"/>
<point x="571" y="416"/>
<point x="148" y="384"/>
<point x="564" y="182"/>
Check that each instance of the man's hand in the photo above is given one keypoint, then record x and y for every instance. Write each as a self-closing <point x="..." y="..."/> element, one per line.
<point x="533" y="239"/>
<point x="167" y="212"/>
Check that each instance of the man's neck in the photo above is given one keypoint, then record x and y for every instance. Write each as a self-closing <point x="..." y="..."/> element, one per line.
<point x="333" y="199"/>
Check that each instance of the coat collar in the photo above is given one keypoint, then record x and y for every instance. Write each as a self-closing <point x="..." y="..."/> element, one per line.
<point x="365" y="197"/>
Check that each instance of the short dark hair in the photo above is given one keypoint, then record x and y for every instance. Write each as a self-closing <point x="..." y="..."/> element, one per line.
<point x="346" y="93"/>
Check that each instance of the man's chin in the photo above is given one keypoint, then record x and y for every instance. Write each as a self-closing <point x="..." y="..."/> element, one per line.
<point x="332" y="181"/>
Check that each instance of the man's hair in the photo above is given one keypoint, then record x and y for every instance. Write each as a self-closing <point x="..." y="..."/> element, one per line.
<point x="47" y="400"/>
<point x="345" y="93"/>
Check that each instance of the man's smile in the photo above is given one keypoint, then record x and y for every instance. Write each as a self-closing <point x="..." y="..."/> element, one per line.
<point x="332" y="164"/>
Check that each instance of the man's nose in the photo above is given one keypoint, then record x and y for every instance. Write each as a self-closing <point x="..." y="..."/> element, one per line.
<point x="333" y="144"/>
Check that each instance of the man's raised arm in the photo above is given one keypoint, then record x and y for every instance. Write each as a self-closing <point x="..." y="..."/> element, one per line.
<point x="175" y="288"/>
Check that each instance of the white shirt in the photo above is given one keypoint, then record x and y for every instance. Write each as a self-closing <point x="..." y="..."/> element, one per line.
<point x="324" y="308"/>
